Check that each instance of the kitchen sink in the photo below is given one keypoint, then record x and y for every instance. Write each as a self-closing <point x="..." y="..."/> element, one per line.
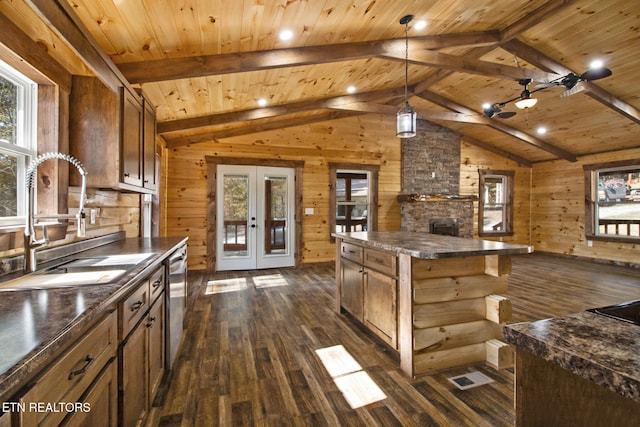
<point x="627" y="312"/>
<point x="79" y="271"/>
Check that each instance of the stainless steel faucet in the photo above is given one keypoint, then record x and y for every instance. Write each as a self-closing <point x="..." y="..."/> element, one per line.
<point x="31" y="243"/>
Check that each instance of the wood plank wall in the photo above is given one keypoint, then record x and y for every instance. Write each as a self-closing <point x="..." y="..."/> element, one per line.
<point x="367" y="139"/>
<point x="557" y="210"/>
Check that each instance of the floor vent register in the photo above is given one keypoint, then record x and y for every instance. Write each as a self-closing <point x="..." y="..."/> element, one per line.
<point x="470" y="380"/>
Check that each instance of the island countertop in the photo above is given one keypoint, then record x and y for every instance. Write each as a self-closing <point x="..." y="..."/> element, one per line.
<point x="592" y="346"/>
<point x="431" y="246"/>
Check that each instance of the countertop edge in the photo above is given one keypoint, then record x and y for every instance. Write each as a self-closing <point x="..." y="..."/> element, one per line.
<point x="566" y="357"/>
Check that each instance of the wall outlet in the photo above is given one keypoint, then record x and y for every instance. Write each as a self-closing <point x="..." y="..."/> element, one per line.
<point x="309" y="211"/>
<point x="93" y="213"/>
<point x="590" y="243"/>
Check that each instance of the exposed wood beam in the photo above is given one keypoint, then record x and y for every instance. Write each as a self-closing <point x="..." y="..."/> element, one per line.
<point x="508" y="130"/>
<point x="281" y="123"/>
<point x="470" y="65"/>
<point x="496" y="150"/>
<point x="274" y="111"/>
<point x="390" y="110"/>
<point x="198" y="66"/>
<point x="61" y="19"/>
<point x="509" y="33"/>
<point x="540" y="60"/>
<point x="19" y="45"/>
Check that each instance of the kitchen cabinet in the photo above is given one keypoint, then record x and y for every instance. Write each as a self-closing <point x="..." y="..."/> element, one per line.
<point x="81" y="374"/>
<point x="142" y="351"/>
<point x="131" y="139"/>
<point x="107" y="132"/>
<point x="149" y="145"/>
<point x="368" y="289"/>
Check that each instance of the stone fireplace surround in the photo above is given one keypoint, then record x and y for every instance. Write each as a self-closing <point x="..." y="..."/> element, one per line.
<point x="431" y="181"/>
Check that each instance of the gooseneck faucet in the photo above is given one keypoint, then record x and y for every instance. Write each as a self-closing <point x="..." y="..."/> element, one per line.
<point x="31" y="243"/>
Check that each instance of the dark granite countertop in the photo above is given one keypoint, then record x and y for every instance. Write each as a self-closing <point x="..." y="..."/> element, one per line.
<point x="598" y="348"/>
<point x="431" y="246"/>
<point x="36" y="324"/>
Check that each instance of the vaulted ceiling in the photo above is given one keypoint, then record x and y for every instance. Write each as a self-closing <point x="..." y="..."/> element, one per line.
<point x="205" y="64"/>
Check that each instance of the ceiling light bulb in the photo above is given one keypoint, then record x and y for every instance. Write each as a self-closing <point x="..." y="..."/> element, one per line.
<point x="286" y="35"/>
<point x="262" y="102"/>
<point x="420" y="25"/>
<point x="596" y="64"/>
<point x="542" y="130"/>
<point x="351" y="89"/>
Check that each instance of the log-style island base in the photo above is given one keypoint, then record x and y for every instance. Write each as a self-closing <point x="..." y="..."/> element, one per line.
<point x="435" y="299"/>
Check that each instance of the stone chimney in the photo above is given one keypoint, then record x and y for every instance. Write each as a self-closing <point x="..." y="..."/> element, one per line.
<point x="430" y="199"/>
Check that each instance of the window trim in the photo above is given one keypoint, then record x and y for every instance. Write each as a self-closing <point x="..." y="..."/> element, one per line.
<point x="373" y="172"/>
<point x="591" y="200"/>
<point x="25" y="146"/>
<point x="508" y="206"/>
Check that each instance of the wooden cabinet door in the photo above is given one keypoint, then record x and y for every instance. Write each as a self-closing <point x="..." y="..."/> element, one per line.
<point x="134" y="377"/>
<point x="101" y="400"/>
<point x="380" y="308"/>
<point x="149" y="146"/>
<point x="131" y="139"/>
<point x="155" y="324"/>
<point x="352" y="292"/>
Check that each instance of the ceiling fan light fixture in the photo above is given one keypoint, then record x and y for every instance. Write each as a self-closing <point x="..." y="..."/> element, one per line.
<point x="525" y="101"/>
<point x="406" y="120"/>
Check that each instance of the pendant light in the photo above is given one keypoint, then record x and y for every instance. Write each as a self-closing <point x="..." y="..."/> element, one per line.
<point x="406" y="119"/>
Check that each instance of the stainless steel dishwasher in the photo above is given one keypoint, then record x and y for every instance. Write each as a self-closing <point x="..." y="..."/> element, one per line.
<point x="176" y="299"/>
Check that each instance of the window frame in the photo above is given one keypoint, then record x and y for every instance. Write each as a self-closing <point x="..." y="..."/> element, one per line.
<point x="25" y="146"/>
<point x="372" y="171"/>
<point x="507" y="209"/>
<point x="591" y="178"/>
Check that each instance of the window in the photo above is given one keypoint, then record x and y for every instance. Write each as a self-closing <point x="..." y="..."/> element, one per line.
<point x="354" y="197"/>
<point x="495" y="207"/>
<point x="18" y="106"/>
<point x="612" y="202"/>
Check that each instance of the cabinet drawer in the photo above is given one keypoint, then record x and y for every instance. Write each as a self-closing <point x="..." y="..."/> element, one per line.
<point x="71" y="375"/>
<point x="156" y="284"/>
<point x="352" y="252"/>
<point x="384" y="262"/>
<point x="134" y="307"/>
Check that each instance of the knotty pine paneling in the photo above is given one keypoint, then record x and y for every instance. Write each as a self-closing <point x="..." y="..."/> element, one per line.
<point x="367" y="139"/>
<point x="557" y="210"/>
<point x="473" y="158"/>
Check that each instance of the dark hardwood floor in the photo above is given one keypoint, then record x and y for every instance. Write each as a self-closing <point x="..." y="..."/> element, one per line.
<point x="249" y="355"/>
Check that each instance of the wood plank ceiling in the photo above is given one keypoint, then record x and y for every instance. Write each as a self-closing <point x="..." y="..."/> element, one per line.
<point x="206" y="63"/>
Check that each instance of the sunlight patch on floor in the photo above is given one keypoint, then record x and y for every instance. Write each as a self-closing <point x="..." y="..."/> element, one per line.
<point x="355" y="384"/>
<point x="226" y="285"/>
<point x="269" y="281"/>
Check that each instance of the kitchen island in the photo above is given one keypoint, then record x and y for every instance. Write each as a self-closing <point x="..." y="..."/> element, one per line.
<point x="434" y="299"/>
<point x="582" y="369"/>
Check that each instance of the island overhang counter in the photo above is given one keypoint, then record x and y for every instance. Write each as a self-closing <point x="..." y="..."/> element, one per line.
<point x="434" y="299"/>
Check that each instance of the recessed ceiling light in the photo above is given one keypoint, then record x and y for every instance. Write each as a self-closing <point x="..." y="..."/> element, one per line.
<point x="351" y="89"/>
<point x="420" y="25"/>
<point x="286" y="35"/>
<point x="541" y="130"/>
<point x="596" y="64"/>
<point x="262" y="102"/>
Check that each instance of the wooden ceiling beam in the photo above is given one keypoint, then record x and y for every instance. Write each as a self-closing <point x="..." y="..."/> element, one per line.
<point x="465" y="64"/>
<point x="198" y="66"/>
<point x="213" y="135"/>
<point x="274" y="111"/>
<point x="539" y="59"/>
<point x="494" y="124"/>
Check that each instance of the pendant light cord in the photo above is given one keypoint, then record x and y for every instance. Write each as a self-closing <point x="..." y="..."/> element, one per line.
<point x="406" y="67"/>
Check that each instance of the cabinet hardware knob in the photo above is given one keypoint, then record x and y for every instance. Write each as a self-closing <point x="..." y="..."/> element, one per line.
<point x="127" y="174"/>
<point x="151" y="321"/>
<point x="137" y="305"/>
<point x="87" y="361"/>
<point x="156" y="283"/>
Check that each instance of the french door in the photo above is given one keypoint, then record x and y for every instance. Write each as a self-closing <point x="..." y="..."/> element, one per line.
<point x="255" y="217"/>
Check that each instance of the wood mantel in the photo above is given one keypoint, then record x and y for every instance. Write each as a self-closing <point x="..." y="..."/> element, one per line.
<point x="443" y="294"/>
